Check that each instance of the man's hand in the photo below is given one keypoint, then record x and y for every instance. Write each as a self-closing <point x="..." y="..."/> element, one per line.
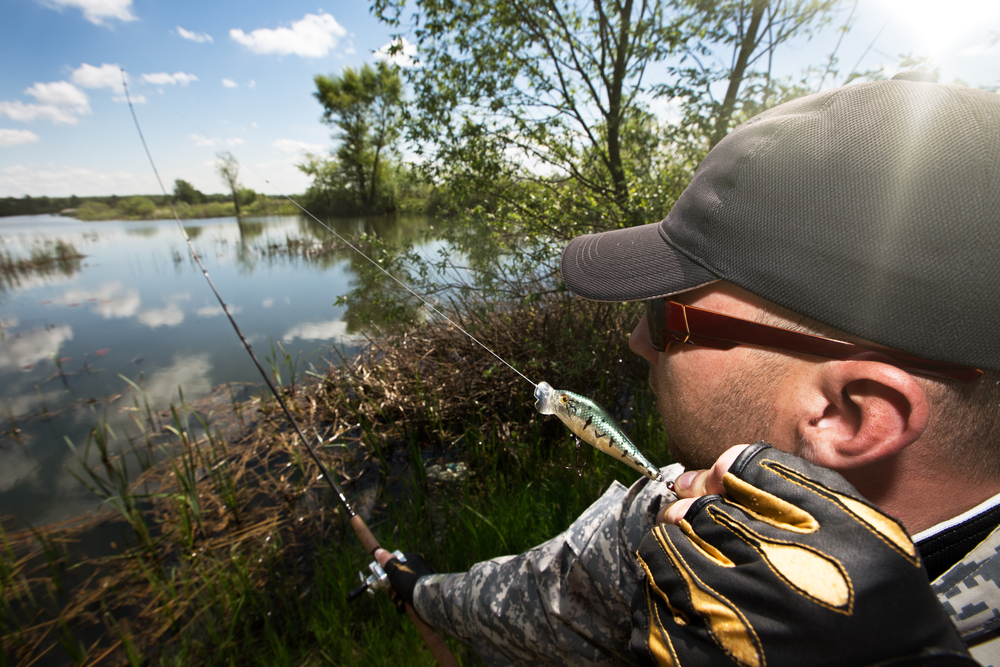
<point x="403" y="575"/>
<point x="773" y="561"/>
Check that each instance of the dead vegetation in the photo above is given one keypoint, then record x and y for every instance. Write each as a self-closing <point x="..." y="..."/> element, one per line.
<point x="192" y="555"/>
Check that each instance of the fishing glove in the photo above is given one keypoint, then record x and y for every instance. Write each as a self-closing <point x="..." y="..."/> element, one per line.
<point x="789" y="568"/>
<point x="403" y="576"/>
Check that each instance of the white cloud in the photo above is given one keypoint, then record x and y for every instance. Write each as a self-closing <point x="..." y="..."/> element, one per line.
<point x="311" y="37"/>
<point x="97" y="11"/>
<point x="200" y="37"/>
<point x="331" y="329"/>
<point x="32" y="347"/>
<point x="404" y="55"/>
<point x="209" y="142"/>
<point x="18" y="110"/>
<point x="59" y="102"/>
<point x="136" y="99"/>
<point x="251" y="84"/>
<point x="229" y="83"/>
<point x="350" y="50"/>
<point x="56" y="180"/>
<point x="267" y="303"/>
<point x="163" y="78"/>
<point x="294" y="146"/>
<point x="105" y="76"/>
<point x="60" y="94"/>
<point x="17" y="137"/>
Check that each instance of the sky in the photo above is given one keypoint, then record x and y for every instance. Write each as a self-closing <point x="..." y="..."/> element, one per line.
<point x="226" y="76"/>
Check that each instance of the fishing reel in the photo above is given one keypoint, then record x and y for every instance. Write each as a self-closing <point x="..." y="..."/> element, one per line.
<point x="378" y="580"/>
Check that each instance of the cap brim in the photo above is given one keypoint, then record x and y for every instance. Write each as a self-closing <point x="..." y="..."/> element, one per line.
<point x="630" y="264"/>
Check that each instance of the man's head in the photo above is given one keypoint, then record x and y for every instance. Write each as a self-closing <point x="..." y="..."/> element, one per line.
<point x="869" y="213"/>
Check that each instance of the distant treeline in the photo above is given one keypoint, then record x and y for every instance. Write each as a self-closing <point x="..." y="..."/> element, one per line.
<point x="28" y="205"/>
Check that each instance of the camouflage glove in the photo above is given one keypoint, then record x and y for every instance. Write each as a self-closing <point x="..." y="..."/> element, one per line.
<point x="403" y="576"/>
<point x="790" y="568"/>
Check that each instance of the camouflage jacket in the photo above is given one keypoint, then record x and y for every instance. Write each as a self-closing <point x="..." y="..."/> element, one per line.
<point x="566" y="602"/>
<point x="970" y="593"/>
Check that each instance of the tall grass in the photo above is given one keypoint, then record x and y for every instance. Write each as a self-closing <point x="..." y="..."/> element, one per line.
<point x="229" y="549"/>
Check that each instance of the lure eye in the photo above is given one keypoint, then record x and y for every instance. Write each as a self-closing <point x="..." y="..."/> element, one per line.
<point x="564" y="399"/>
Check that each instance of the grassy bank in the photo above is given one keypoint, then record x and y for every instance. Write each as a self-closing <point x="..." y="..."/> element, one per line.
<point x="232" y="551"/>
<point x="144" y="208"/>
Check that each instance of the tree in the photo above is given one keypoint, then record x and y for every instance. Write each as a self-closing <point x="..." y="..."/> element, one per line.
<point x="229" y="171"/>
<point x="185" y="192"/>
<point x="529" y="87"/>
<point x="733" y="43"/>
<point x="364" y="105"/>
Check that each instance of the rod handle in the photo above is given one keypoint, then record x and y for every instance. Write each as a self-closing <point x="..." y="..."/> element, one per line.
<point x="433" y="640"/>
<point x="361" y="530"/>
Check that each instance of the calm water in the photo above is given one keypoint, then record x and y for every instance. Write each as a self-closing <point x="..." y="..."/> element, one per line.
<point x="138" y="305"/>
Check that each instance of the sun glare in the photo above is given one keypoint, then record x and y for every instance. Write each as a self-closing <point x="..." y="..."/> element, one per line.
<point x="941" y="26"/>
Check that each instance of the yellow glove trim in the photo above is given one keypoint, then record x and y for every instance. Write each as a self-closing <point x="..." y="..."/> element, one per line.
<point x="768" y="508"/>
<point x="709" y="551"/>
<point x="659" y="641"/>
<point x="884" y="527"/>
<point x="726" y="624"/>
<point x="808" y="571"/>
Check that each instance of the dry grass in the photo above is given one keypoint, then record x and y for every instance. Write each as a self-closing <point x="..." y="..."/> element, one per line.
<point x="228" y="527"/>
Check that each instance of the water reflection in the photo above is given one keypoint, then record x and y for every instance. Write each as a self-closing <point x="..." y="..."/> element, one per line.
<point x="138" y="308"/>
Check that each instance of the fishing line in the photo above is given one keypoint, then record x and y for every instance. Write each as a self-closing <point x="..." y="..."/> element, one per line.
<point x="371" y="261"/>
<point x="433" y="640"/>
<point x="588" y="420"/>
<point x="325" y="473"/>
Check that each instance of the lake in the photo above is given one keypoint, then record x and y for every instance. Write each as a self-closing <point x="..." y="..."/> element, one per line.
<point x="137" y="306"/>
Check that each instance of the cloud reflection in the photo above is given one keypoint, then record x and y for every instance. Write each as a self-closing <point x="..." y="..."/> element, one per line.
<point x="169" y="316"/>
<point x="213" y="311"/>
<point x="33" y="346"/>
<point x="190" y="372"/>
<point x="16" y="467"/>
<point x="331" y="329"/>
<point x="111" y="300"/>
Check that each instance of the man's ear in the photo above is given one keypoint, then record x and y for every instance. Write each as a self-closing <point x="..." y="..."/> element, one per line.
<point x="861" y="412"/>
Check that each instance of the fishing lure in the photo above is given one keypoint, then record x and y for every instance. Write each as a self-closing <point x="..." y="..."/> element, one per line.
<point x="591" y="423"/>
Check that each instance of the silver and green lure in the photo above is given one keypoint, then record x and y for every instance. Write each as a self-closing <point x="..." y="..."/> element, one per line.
<point x="591" y="423"/>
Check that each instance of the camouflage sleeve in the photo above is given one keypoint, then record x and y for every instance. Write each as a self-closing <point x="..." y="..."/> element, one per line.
<point x="565" y="602"/>
<point x="970" y="593"/>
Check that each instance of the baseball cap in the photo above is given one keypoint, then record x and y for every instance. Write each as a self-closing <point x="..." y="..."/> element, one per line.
<point x="873" y="208"/>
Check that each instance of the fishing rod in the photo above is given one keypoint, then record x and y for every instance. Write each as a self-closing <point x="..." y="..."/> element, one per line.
<point x="433" y="640"/>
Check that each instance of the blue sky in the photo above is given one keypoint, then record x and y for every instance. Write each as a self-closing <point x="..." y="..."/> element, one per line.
<point x="223" y="75"/>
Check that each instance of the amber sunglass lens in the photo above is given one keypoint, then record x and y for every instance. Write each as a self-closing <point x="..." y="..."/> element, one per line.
<point x="656" y="322"/>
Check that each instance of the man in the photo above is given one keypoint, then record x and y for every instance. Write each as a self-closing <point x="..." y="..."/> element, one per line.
<point x="868" y="215"/>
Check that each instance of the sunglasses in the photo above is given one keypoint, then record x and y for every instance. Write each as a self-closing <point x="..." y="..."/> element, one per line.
<point x="672" y="322"/>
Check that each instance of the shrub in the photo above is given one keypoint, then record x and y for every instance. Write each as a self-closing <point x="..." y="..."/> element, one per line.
<point x="93" y="210"/>
<point x="137" y="207"/>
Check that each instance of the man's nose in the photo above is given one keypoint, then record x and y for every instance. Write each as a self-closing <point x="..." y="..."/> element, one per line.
<point x="638" y="342"/>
